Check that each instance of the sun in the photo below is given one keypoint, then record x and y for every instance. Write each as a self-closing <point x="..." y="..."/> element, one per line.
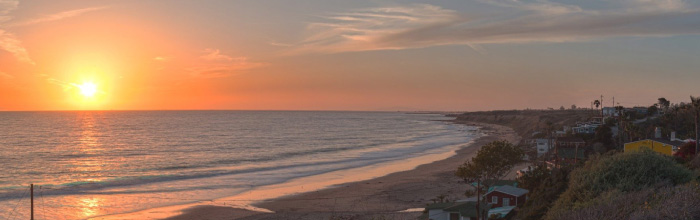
<point x="88" y="89"/>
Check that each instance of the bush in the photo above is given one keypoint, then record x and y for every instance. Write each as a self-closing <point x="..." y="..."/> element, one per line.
<point x="619" y="173"/>
<point x="680" y="202"/>
<point x="541" y="198"/>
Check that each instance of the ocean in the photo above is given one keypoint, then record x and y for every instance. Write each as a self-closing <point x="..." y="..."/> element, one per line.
<point x="88" y="164"/>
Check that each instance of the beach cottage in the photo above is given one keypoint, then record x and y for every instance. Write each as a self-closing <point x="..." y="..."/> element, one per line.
<point x="505" y="196"/>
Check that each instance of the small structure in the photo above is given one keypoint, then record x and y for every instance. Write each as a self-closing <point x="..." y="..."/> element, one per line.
<point x="456" y="210"/>
<point x="505" y="196"/>
<point x="585" y="127"/>
<point x="570" y="149"/>
<point x="610" y="112"/>
<point x="543" y="146"/>
<point x="660" y="145"/>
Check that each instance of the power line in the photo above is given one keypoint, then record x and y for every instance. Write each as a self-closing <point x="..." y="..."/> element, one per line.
<point x="12" y="213"/>
<point x="43" y="204"/>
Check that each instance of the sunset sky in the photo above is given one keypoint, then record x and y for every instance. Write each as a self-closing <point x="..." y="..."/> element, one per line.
<point x="345" y="55"/>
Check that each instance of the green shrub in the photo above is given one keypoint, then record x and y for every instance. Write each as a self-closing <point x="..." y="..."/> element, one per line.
<point x="619" y="173"/>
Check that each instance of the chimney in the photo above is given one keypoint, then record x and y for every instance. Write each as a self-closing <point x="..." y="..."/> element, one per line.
<point x="673" y="135"/>
<point x="657" y="132"/>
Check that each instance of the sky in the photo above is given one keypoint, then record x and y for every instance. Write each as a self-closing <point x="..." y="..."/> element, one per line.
<point x="462" y="55"/>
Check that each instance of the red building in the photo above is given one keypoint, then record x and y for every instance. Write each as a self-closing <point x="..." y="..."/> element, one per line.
<point x="506" y="196"/>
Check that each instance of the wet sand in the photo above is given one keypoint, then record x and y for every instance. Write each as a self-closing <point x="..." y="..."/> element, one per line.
<point x="378" y="198"/>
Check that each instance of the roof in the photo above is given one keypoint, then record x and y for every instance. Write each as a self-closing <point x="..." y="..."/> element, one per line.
<point x="570" y="139"/>
<point x="669" y="142"/>
<point x="661" y="140"/>
<point x="498" y="183"/>
<point x="510" y="190"/>
<point x="501" y="211"/>
<point x="542" y="140"/>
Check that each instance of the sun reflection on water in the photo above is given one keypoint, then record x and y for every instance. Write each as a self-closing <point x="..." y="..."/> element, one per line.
<point x="90" y="206"/>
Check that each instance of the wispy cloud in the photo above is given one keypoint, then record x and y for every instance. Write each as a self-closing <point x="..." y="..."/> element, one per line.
<point x="214" y="55"/>
<point x="65" y="85"/>
<point x="10" y="43"/>
<point x="6" y="75"/>
<point x="214" y="64"/>
<point x="423" y="25"/>
<point x="56" y="16"/>
<point x="161" y="58"/>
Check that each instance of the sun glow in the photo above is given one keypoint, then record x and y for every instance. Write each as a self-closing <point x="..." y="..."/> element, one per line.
<point x="88" y="89"/>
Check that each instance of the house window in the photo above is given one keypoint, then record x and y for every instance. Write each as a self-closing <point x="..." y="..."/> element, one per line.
<point x="506" y="202"/>
<point x="454" y="216"/>
<point x="494" y="199"/>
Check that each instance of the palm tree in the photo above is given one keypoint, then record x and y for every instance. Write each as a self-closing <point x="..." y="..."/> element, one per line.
<point x="597" y="104"/>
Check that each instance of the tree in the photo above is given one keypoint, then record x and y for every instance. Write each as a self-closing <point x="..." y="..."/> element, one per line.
<point x="491" y="163"/>
<point x="573" y="107"/>
<point x="664" y="103"/>
<point x="603" y="135"/>
<point x="562" y="108"/>
<point x="596" y="103"/>
<point x="652" y="110"/>
<point x="533" y="177"/>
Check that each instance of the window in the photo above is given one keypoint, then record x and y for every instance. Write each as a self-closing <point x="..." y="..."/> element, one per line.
<point x="506" y="201"/>
<point x="494" y="199"/>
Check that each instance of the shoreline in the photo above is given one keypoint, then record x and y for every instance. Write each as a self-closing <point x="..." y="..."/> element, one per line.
<point x="384" y="196"/>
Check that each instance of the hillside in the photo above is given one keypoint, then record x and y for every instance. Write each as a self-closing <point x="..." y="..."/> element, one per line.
<point x="525" y="122"/>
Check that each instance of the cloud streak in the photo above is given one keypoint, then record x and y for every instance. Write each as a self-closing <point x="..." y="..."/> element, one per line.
<point x="6" y="75"/>
<point x="10" y="43"/>
<point x="423" y="25"/>
<point x="214" y="64"/>
<point x="56" y="16"/>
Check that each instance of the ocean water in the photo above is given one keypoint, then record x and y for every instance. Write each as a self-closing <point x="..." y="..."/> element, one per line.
<point x="90" y="164"/>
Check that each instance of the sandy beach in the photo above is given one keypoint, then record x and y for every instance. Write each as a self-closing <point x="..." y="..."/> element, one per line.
<point x="384" y="197"/>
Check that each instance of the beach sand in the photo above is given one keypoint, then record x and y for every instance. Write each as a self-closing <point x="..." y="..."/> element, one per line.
<point x="378" y="198"/>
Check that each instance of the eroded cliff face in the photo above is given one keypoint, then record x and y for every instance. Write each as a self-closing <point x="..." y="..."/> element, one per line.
<point x="525" y="122"/>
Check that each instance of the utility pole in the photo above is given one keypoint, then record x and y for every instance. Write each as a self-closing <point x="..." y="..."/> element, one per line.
<point x="601" y="109"/>
<point x="31" y="189"/>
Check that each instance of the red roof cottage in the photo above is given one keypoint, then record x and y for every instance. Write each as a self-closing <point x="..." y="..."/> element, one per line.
<point x="506" y="196"/>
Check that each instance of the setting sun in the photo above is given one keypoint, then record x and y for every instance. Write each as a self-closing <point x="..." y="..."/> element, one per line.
<point x="88" y="89"/>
